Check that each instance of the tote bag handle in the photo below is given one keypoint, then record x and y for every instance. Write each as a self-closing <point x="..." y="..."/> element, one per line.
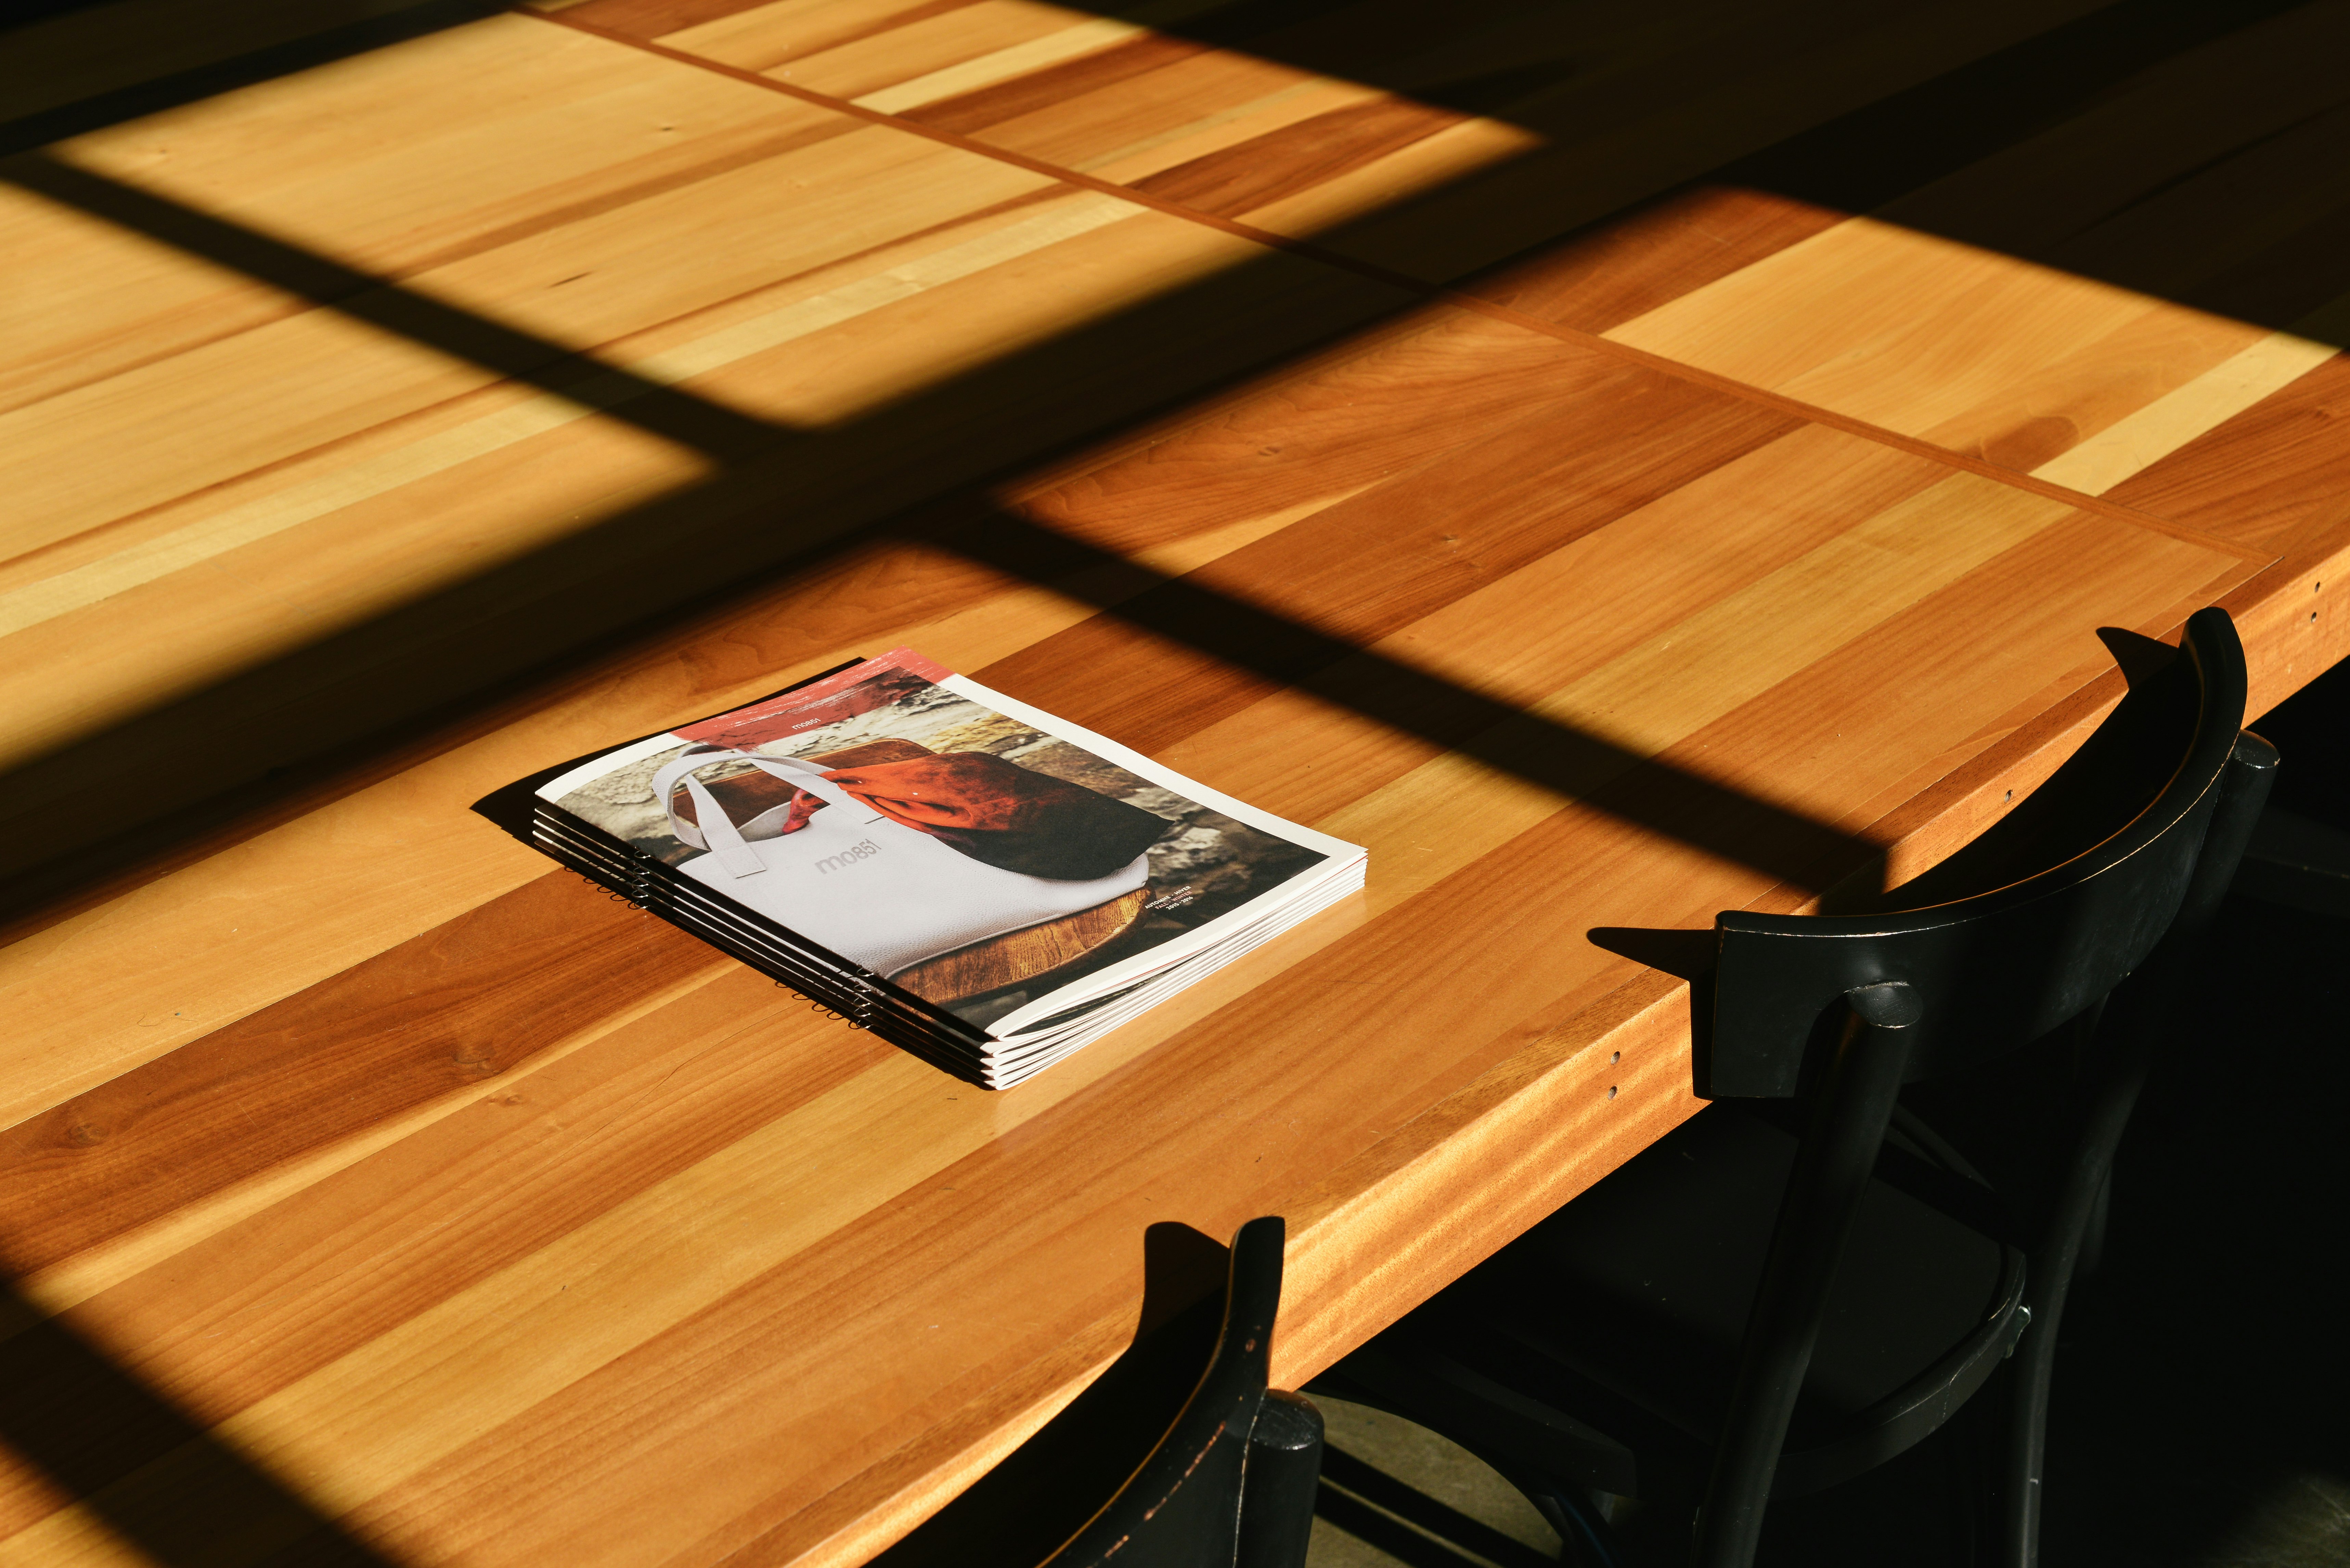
<point x="726" y="840"/>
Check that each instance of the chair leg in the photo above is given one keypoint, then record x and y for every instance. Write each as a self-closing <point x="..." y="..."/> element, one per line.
<point x="1282" y="1473"/>
<point x="2111" y="1092"/>
<point x="2092" y="1241"/>
<point x="1851" y="1107"/>
<point x="2033" y="1370"/>
<point x="1970" y="1456"/>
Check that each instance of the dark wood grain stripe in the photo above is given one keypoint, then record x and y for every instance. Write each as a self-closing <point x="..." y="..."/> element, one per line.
<point x="760" y="146"/>
<point x="1297" y="158"/>
<point x="1398" y="395"/>
<point x="1630" y="264"/>
<point x="463" y="1003"/>
<point x="2271" y="474"/>
<point x="1053" y="86"/>
<point x="853" y="32"/>
<point x="651" y="18"/>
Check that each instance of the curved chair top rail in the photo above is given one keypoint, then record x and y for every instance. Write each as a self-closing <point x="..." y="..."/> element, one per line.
<point x="1189" y="1489"/>
<point x="2013" y="962"/>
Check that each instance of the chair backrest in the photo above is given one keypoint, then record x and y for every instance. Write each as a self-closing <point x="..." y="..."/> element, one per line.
<point x="2120" y="857"/>
<point x="1231" y="1484"/>
<point x="2012" y="962"/>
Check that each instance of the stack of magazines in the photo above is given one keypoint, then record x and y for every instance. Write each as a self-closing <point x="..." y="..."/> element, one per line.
<point x="971" y="879"/>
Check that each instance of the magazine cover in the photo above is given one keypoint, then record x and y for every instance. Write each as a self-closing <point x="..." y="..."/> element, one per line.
<point x="1010" y="869"/>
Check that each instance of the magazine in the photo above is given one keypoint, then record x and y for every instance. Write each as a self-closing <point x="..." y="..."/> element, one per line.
<point x="967" y="877"/>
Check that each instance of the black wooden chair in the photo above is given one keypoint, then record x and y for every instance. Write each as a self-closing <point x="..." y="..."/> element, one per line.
<point x="1794" y="1287"/>
<point x="1231" y="1484"/>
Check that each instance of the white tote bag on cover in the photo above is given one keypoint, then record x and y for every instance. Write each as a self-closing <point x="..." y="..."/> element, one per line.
<point x="875" y="891"/>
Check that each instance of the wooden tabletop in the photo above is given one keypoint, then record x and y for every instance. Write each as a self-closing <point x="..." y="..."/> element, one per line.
<point x="1571" y="460"/>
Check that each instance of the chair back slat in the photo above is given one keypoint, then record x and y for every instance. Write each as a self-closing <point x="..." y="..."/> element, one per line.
<point x="1182" y="1507"/>
<point x="2012" y="962"/>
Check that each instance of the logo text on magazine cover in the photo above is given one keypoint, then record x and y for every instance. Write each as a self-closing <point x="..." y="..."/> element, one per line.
<point x="864" y="850"/>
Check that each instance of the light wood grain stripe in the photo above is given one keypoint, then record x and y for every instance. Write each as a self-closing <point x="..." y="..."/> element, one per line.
<point x="2178" y="416"/>
<point x="1001" y="65"/>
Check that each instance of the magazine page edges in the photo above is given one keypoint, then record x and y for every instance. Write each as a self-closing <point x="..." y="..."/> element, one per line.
<point x="832" y="698"/>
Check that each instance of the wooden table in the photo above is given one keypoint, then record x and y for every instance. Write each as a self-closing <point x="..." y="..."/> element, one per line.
<point x="368" y="1183"/>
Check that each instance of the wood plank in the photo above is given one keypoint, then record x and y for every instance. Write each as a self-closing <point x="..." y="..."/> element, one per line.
<point x="2042" y="371"/>
<point x="1046" y="90"/>
<point x="466" y="1002"/>
<point x="421" y="860"/>
<point x="1295" y="159"/>
<point x="2124" y="190"/>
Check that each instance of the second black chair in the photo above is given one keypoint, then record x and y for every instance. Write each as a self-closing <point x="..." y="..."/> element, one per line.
<point x="1233" y="1483"/>
<point x="1789" y="1290"/>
